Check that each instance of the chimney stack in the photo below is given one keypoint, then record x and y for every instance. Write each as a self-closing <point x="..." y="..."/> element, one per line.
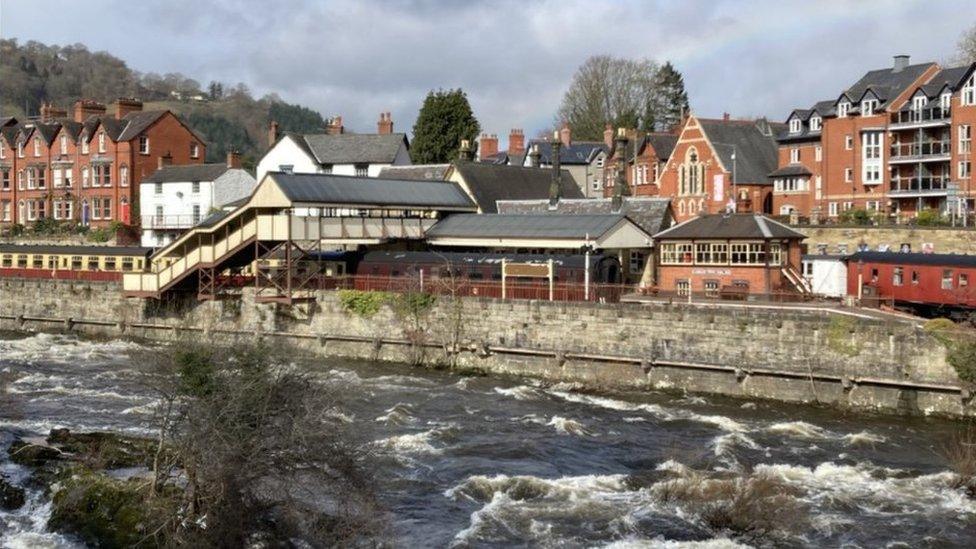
<point x="87" y="107"/>
<point x="901" y="61"/>
<point x="725" y="116"/>
<point x="334" y="127"/>
<point x="385" y="125"/>
<point x="50" y="113"/>
<point x="272" y="133"/>
<point x="516" y="142"/>
<point x="620" y="188"/>
<point x="487" y="146"/>
<point x="555" y="186"/>
<point x="608" y="136"/>
<point x="534" y="156"/>
<point x="125" y="105"/>
<point x="165" y="160"/>
<point x="465" y="153"/>
<point x="233" y="160"/>
<point x="565" y="135"/>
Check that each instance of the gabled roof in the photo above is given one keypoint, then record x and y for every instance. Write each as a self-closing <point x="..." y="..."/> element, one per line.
<point x="48" y="132"/>
<point x="524" y="226"/>
<point x="792" y="169"/>
<point x="489" y="183"/>
<point x="137" y="122"/>
<point x="189" y="173"/>
<point x="416" y="172"/>
<point x="370" y="191"/>
<point x="887" y="83"/>
<point x="500" y="157"/>
<point x="756" y="154"/>
<point x="663" y="144"/>
<point x="578" y="152"/>
<point x="651" y="214"/>
<point x="732" y="226"/>
<point x="353" y="148"/>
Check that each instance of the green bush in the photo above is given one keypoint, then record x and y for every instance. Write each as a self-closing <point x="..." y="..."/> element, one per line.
<point x="962" y="357"/>
<point x="930" y="218"/>
<point x="857" y="216"/>
<point x="196" y="370"/>
<point x="412" y="304"/>
<point x="363" y="304"/>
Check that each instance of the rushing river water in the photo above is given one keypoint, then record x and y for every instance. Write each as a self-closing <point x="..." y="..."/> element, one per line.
<point x="497" y="462"/>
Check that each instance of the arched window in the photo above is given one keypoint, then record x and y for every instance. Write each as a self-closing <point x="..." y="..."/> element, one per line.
<point x="691" y="174"/>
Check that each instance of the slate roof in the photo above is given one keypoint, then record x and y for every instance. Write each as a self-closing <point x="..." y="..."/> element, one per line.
<point x="887" y="83"/>
<point x="945" y="260"/>
<point x="791" y="169"/>
<point x="489" y="183"/>
<point x="756" y="154"/>
<point x="500" y="157"/>
<point x="137" y="122"/>
<point x="352" y="148"/>
<point x="187" y="173"/>
<point x="73" y="250"/>
<point x="524" y="226"/>
<point x="578" y="152"/>
<point x="460" y="259"/>
<point x="371" y="191"/>
<point x="663" y="144"/>
<point x="416" y="172"/>
<point x="649" y="213"/>
<point x="732" y="226"/>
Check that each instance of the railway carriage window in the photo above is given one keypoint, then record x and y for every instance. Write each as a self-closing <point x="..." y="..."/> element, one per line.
<point x="874" y="275"/>
<point x="76" y="262"/>
<point x="711" y="288"/>
<point x="475" y="276"/>
<point x="52" y="262"/>
<point x="109" y="263"/>
<point x="963" y="280"/>
<point x="6" y="261"/>
<point x="22" y="261"/>
<point x="37" y="261"/>
<point x="92" y="263"/>
<point x="946" y="279"/>
<point x="898" y="277"/>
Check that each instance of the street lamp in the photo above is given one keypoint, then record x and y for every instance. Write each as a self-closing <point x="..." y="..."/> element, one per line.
<point x="735" y="192"/>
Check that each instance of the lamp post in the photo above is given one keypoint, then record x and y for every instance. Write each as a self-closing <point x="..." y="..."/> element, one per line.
<point x="735" y="192"/>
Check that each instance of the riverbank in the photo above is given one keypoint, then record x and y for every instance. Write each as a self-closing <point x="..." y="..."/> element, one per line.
<point x="878" y="363"/>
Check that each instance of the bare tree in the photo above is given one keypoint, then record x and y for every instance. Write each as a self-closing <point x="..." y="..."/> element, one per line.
<point x="610" y="90"/>
<point x="966" y="46"/>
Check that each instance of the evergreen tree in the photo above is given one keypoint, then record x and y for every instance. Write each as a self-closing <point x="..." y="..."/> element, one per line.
<point x="444" y="120"/>
<point x="670" y="100"/>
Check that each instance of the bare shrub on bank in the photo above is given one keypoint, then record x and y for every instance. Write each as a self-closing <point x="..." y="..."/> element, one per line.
<point x="960" y="453"/>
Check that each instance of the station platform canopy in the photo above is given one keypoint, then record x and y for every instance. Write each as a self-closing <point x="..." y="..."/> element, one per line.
<point x="539" y="231"/>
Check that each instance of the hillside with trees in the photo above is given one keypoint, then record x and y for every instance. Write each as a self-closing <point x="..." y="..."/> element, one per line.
<point x="228" y="116"/>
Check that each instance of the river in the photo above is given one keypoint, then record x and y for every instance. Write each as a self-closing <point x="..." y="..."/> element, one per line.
<point x="505" y="462"/>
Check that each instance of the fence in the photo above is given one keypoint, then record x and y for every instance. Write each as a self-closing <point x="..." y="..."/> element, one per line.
<point x="729" y="294"/>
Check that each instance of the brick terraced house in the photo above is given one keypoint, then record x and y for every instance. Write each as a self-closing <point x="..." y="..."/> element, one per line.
<point x="897" y="142"/>
<point x="87" y="168"/>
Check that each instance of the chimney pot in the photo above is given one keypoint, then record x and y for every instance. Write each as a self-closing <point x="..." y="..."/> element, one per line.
<point x="516" y="142"/>
<point x="487" y="146"/>
<point x="233" y="160"/>
<point x="126" y="105"/>
<point x="385" y="125"/>
<point x="334" y="127"/>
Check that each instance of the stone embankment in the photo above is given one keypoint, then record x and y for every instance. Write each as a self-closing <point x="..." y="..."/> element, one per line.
<point x="801" y="355"/>
<point x="943" y="240"/>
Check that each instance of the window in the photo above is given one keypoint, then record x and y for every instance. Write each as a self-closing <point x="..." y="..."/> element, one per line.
<point x="84" y="177"/>
<point x="7" y="260"/>
<point x="963" y="169"/>
<point x="945" y="101"/>
<point x="691" y="175"/>
<point x="5" y="180"/>
<point x="748" y="253"/>
<point x="848" y="175"/>
<point x="106" y="208"/>
<point x="101" y="141"/>
<point x="946" y="279"/>
<point x="872" y="205"/>
<point x="915" y="277"/>
<point x="20" y="149"/>
<point x="818" y="153"/>
<point x="676" y="253"/>
<point x="711" y="288"/>
<point x="109" y="263"/>
<point x="20" y="180"/>
<point x="599" y="161"/>
<point x="791" y="184"/>
<point x="158" y="187"/>
<point x="815" y="123"/>
<point x="123" y="176"/>
<point x="76" y="262"/>
<point x="848" y="206"/>
<point x="143" y="144"/>
<point x="58" y="178"/>
<point x="848" y="142"/>
<point x="898" y="277"/>
<point x="969" y="91"/>
<point x="362" y="170"/>
<point x="126" y="263"/>
<point x="796" y="125"/>
<point x="868" y="106"/>
<point x="196" y="214"/>
<point x="963" y="280"/>
<point x="5" y="210"/>
<point x="842" y="109"/>
<point x="871" y="165"/>
<point x="786" y="209"/>
<point x="3" y="151"/>
<point x="84" y="144"/>
<point x="194" y="150"/>
<point x="832" y="209"/>
<point x="64" y="144"/>
<point x="637" y="260"/>
<point x="795" y="155"/>
<point x="92" y="263"/>
<point x="711" y="253"/>
<point x="965" y="139"/>
<point x="159" y="215"/>
<point x="195" y="187"/>
<point x="683" y="287"/>
<point x="67" y="177"/>
<point x="37" y="147"/>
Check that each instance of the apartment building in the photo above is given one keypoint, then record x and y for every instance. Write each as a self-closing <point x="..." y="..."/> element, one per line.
<point x="86" y="168"/>
<point x="895" y="143"/>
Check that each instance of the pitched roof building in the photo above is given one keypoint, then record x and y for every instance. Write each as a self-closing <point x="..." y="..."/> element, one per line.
<point x="488" y="183"/>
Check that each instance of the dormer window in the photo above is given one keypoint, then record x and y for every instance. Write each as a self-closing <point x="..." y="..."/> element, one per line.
<point x="101" y="142"/>
<point x="795" y="125"/>
<point x="815" y="124"/>
<point x="969" y="91"/>
<point x="868" y="106"/>
<point x="918" y="102"/>
<point x="842" y="109"/>
<point x="64" y="144"/>
<point x="945" y="100"/>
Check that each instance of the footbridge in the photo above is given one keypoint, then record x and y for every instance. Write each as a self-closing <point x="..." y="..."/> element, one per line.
<point x="285" y="218"/>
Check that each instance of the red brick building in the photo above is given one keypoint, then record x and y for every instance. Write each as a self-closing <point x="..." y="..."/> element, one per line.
<point x="895" y="143"/>
<point x="720" y="164"/>
<point x="742" y="253"/>
<point x="646" y="153"/>
<point x="87" y="167"/>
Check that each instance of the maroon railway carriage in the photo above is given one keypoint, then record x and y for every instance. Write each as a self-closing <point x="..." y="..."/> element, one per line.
<point x="923" y="283"/>
<point x="99" y="263"/>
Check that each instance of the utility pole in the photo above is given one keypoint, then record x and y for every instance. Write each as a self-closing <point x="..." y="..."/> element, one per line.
<point x="735" y="192"/>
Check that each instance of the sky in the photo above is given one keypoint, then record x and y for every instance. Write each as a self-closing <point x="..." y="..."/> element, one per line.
<point x="514" y="59"/>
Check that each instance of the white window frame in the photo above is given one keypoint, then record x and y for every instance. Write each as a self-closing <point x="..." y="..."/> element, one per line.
<point x="64" y="144"/>
<point x="796" y="125"/>
<point x="795" y="155"/>
<point x="144" y="144"/>
<point x="843" y="108"/>
<point x="815" y="123"/>
<point x="868" y="106"/>
<point x="872" y="146"/>
<point x="818" y="153"/>
<point x="848" y="142"/>
<point x="965" y="138"/>
<point x="848" y="175"/>
<point x="963" y="169"/>
<point x="832" y="209"/>
<point x="968" y="96"/>
<point x="101" y="142"/>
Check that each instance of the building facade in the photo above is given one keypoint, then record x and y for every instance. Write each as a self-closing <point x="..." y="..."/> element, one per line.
<point x="720" y="165"/>
<point x="584" y="160"/>
<point x="336" y="151"/>
<point x="87" y="168"/>
<point x="646" y="155"/>
<point x="895" y="143"/>
<point x="175" y="198"/>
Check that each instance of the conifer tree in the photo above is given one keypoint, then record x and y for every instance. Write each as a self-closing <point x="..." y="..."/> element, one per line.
<point x="670" y="99"/>
<point x="444" y="120"/>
